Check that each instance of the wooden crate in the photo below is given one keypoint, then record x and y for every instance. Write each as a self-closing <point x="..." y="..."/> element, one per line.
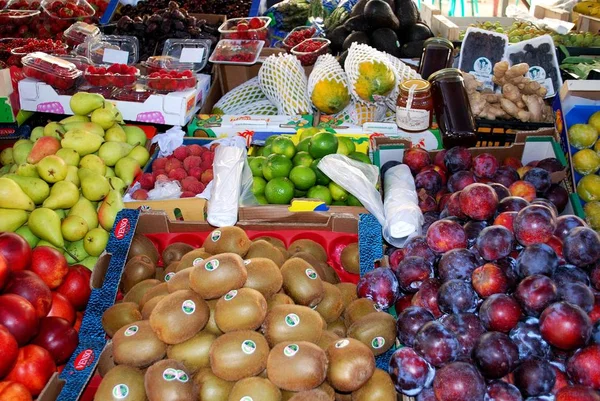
<point x="450" y="27"/>
<point x="428" y="11"/>
<point x="585" y="23"/>
<point x="541" y="12"/>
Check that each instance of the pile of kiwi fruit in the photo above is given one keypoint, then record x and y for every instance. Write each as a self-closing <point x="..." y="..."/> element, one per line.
<point x="242" y="320"/>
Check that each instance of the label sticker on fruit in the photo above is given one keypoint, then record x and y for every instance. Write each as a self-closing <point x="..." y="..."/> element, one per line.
<point x="120" y="391"/>
<point x="170" y="374"/>
<point x="113" y="56"/>
<point x="482" y="70"/>
<point x="169" y="276"/>
<point x="230" y="295"/>
<point x="292" y="320"/>
<point x="248" y="347"/>
<point x="197" y="262"/>
<point x="131" y="330"/>
<point x="182" y="376"/>
<point x="247" y="262"/>
<point x="342" y="343"/>
<point x="215" y="235"/>
<point x="291" y="350"/>
<point x="212" y="265"/>
<point x="377" y="342"/>
<point x="246" y="398"/>
<point x="188" y="306"/>
<point x="538" y="74"/>
<point x="311" y="274"/>
<point x="191" y="55"/>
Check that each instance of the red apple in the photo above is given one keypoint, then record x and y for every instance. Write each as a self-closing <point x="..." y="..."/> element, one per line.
<point x="15" y="250"/>
<point x="61" y="307"/>
<point x="33" y="369"/>
<point x="76" y="286"/>
<point x="4" y="272"/>
<point x="50" y="265"/>
<point x="12" y="391"/>
<point x="28" y="285"/>
<point x="78" y="319"/>
<point x="9" y="349"/>
<point x="58" y="337"/>
<point x="19" y="317"/>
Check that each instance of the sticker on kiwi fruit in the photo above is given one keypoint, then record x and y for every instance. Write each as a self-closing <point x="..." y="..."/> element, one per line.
<point x="131" y="330"/>
<point x="212" y="265"/>
<point x="182" y="376"/>
<point x="377" y="342"/>
<point x="215" y="235"/>
<point x="342" y="343"/>
<point x="247" y="262"/>
<point x="246" y="398"/>
<point x="170" y="374"/>
<point x="120" y="391"/>
<point x="291" y="350"/>
<point x="292" y="320"/>
<point x="169" y="276"/>
<point x="188" y="306"/>
<point x="230" y="295"/>
<point x="377" y="308"/>
<point x="197" y="262"/>
<point x="311" y="274"/>
<point x="248" y="347"/>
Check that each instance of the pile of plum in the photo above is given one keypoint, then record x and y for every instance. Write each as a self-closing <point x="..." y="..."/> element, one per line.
<point x="497" y="300"/>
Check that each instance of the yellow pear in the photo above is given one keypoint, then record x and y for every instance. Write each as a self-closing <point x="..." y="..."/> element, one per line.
<point x="13" y="197"/>
<point x="12" y="219"/>
<point x="63" y="195"/>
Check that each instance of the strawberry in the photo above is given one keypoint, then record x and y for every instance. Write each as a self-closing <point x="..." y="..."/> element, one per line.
<point x="255" y="23"/>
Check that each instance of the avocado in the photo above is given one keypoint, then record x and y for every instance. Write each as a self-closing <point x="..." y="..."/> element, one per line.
<point x="358" y="37"/>
<point x="418" y="32"/>
<point x="379" y="14"/>
<point x="412" y="49"/>
<point x="337" y="37"/>
<point x="358" y="23"/>
<point x="359" y="8"/>
<point x="407" y="13"/>
<point x="385" y="40"/>
<point x="342" y="58"/>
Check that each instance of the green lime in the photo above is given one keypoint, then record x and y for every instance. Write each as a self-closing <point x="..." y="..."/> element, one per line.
<point x="261" y="200"/>
<point x="337" y="193"/>
<point x="345" y="145"/>
<point x="279" y="191"/>
<point x="320" y="192"/>
<point x="360" y="157"/>
<point x="592" y="214"/>
<point x="266" y="151"/>
<point x="322" y="144"/>
<point x="588" y="188"/>
<point x="303" y="177"/>
<point x="283" y="145"/>
<point x="271" y="139"/>
<point x="256" y="165"/>
<point x="339" y="203"/>
<point x="582" y="136"/>
<point x="299" y="194"/>
<point x="586" y="161"/>
<point x="307" y="132"/>
<point x="276" y="166"/>
<point x="353" y="201"/>
<point x="302" y="159"/>
<point x="258" y="185"/>
<point x="303" y="145"/>
<point x="322" y="179"/>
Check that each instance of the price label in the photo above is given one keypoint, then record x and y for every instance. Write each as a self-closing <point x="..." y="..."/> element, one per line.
<point x="191" y="55"/>
<point x="113" y="56"/>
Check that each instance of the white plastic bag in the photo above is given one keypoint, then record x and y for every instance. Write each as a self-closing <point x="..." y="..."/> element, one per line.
<point x="169" y="141"/>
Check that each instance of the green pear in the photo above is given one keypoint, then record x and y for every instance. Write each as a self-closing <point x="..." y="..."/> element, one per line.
<point x="36" y="133"/>
<point x="83" y="103"/>
<point x="135" y="135"/>
<point x="72" y="176"/>
<point x="140" y="154"/>
<point x="63" y="195"/>
<point x="13" y="169"/>
<point x="115" y="134"/>
<point x="21" y="151"/>
<point x="74" y="228"/>
<point x="93" y="185"/>
<point x="70" y="156"/>
<point x="109" y="172"/>
<point x="6" y="157"/>
<point x="37" y="189"/>
<point x="22" y="141"/>
<point x="86" y="210"/>
<point x="117" y="184"/>
<point x="104" y="117"/>
<point x="95" y="241"/>
<point x="52" y="169"/>
<point x="94" y="163"/>
<point x="26" y="233"/>
<point x="83" y="142"/>
<point x="27" y="170"/>
<point x="113" y="109"/>
<point x="111" y="152"/>
<point x="54" y="129"/>
<point x="89" y="262"/>
<point x="75" y="252"/>
<point x="107" y="212"/>
<point x="61" y="213"/>
<point x="46" y="243"/>
<point x="127" y="169"/>
<point x="75" y="119"/>
<point x="13" y="197"/>
<point x="5" y="169"/>
<point x="90" y="127"/>
<point x="12" y="219"/>
<point x="45" y="224"/>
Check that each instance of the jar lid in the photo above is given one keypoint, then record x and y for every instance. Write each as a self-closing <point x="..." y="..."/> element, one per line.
<point x="417" y="85"/>
<point x="439" y="41"/>
<point x="445" y="73"/>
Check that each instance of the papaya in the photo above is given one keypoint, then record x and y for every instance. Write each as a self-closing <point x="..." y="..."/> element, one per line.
<point x="375" y="80"/>
<point x="330" y="97"/>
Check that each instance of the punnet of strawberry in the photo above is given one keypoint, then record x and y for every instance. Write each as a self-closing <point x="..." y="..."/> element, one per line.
<point x="237" y="51"/>
<point x="55" y="47"/>
<point x="166" y="81"/>
<point x="255" y="28"/>
<point x="52" y="70"/>
<point x="23" y="5"/>
<point x="310" y="49"/>
<point x="117" y="75"/>
<point x="297" y="36"/>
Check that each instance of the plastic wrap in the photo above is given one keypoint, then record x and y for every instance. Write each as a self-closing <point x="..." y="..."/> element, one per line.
<point x="169" y="141"/>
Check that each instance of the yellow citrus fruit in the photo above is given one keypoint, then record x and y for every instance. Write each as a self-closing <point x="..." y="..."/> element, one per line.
<point x="588" y="188"/>
<point x="337" y="193"/>
<point x="582" y="136"/>
<point x="279" y="191"/>
<point x="586" y="161"/>
<point x="345" y="145"/>
<point x="594" y="121"/>
<point x="330" y="97"/>
<point x="283" y="145"/>
<point x="360" y="157"/>
<point x="592" y="214"/>
<point x="320" y="192"/>
<point x="276" y="166"/>
<point x="303" y="177"/>
<point x="307" y="132"/>
<point x="302" y="159"/>
<point x="322" y="144"/>
<point x="375" y="79"/>
<point x="258" y="185"/>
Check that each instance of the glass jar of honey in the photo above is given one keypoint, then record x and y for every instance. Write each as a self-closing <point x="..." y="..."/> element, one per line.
<point x="414" y="108"/>
<point x="437" y="55"/>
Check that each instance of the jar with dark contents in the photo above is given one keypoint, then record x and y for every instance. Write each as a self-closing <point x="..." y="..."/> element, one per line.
<point x="414" y="108"/>
<point x="437" y="55"/>
<point x="452" y="109"/>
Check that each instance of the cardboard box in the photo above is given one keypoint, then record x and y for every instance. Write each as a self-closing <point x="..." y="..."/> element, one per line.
<point x="175" y="108"/>
<point x="451" y="27"/>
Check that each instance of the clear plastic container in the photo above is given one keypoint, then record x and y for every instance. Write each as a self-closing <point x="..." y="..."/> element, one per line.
<point x="167" y="83"/>
<point x="60" y="14"/>
<point x="23" y="5"/>
<point x="12" y="20"/>
<point x="186" y="52"/>
<point x="310" y="57"/>
<point x="229" y="30"/>
<point x="3" y="4"/>
<point x="101" y="75"/>
<point x="243" y="52"/>
<point x="157" y="63"/>
<point x="137" y="94"/>
<point x="297" y="35"/>
<point x="79" y="32"/>
<point x="81" y="62"/>
<point x="52" y="70"/>
<point x="96" y="49"/>
<point x="20" y="52"/>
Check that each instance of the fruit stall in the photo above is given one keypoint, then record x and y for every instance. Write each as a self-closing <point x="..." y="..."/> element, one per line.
<point x="305" y="200"/>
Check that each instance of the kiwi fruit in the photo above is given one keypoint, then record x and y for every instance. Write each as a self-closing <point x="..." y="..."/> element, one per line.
<point x="141" y="245"/>
<point x="331" y="306"/>
<point x="136" y="293"/>
<point x="106" y="361"/>
<point x="357" y="309"/>
<point x="338" y="327"/>
<point x="349" y="293"/>
<point x="351" y="365"/>
<point x="284" y="252"/>
<point x="174" y="252"/>
<point x="243" y="309"/>
<point x="314" y="262"/>
<point x="150" y="305"/>
<point x="193" y="353"/>
<point x="254" y="388"/>
<point x="327" y="389"/>
<point x="137" y="345"/>
<point x="227" y="240"/>
<point x="169" y="380"/>
<point x="210" y="387"/>
<point x="211" y="325"/>
<point x="343" y="396"/>
<point x="271" y="240"/>
<point x="292" y="323"/>
<point x="169" y="271"/>
<point x="122" y="382"/>
<point x="179" y="281"/>
<point x="157" y="290"/>
<point x="179" y="316"/>
<point x="327" y="338"/>
<point x="349" y="258"/>
<point x="312" y="395"/>
<point x="239" y="354"/>
<point x="263" y="249"/>
<point x="217" y="275"/>
<point x="329" y="274"/>
<point x="297" y="366"/>
<point x="192" y="258"/>
<point x="279" y="299"/>
<point x="120" y="315"/>
<point x="308" y="246"/>
<point x="264" y="276"/>
<point x="301" y="282"/>
<point x="379" y="387"/>
<point x="376" y="330"/>
<point x="138" y="268"/>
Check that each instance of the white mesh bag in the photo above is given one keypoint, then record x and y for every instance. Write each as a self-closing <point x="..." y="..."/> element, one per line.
<point x="284" y="82"/>
<point x="329" y="85"/>
<point x="260" y="108"/>
<point x="359" y="113"/>
<point x="239" y="97"/>
<point x="403" y="73"/>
